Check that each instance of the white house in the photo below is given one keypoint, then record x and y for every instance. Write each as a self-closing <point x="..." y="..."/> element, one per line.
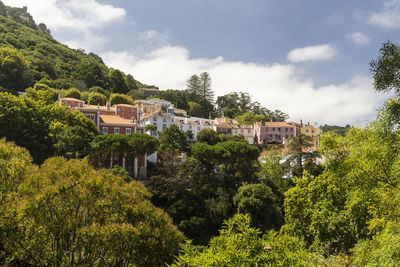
<point x="193" y="124"/>
<point x="161" y="121"/>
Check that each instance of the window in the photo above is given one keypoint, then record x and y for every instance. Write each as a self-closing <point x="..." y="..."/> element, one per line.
<point x="241" y="131"/>
<point x="286" y="136"/>
<point x="235" y="131"/>
<point x="123" y="110"/>
<point x="248" y="131"/>
<point x="306" y="130"/>
<point x="198" y="128"/>
<point x="154" y="118"/>
<point x="279" y="129"/>
<point x="164" y="126"/>
<point x="286" y="129"/>
<point x="116" y="130"/>
<point x="105" y="130"/>
<point x="128" y="130"/>
<point x="131" y="111"/>
<point x="270" y="135"/>
<point x="291" y="129"/>
<point x="123" y="117"/>
<point x="164" y="119"/>
<point x="312" y="131"/>
<point x="72" y="104"/>
<point x="80" y="104"/>
<point x="273" y="129"/>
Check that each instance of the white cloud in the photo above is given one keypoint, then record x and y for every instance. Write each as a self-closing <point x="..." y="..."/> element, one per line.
<point x="389" y="17"/>
<point x="358" y="38"/>
<point x="80" y="19"/>
<point x="312" y="53"/>
<point x="275" y="86"/>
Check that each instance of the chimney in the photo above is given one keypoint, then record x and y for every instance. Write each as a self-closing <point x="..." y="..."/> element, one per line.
<point x="301" y="123"/>
<point x="308" y="123"/>
<point x="108" y="105"/>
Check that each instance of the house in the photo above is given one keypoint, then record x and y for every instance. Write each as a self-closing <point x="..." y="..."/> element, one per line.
<point x="224" y="125"/>
<point x="161" y="120"/>
<point x="71" y="102"/>
<point x="315" y="133"/>
<point x="180" y="111"/>
<point x="193" y="124"/>
<point x="246" y="130"/>
<point x="118" y="119"/>
<point x="126" y="111"/>
<point x="275" y="132"/>
<point x="160" y="102"/>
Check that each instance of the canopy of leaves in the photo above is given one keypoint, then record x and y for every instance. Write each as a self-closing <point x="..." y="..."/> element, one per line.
<point x="241" y="245"/>
<point x="357" y="194"/>
<point x="121" y="99"/>
<point x="33" y="121"/>
<point x="172" y="138"/>
<point x="29" y="53"/>
<point x="66" y="214"/>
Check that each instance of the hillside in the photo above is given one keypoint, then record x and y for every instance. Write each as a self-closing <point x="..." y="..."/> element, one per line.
<point x="29" y="54"/>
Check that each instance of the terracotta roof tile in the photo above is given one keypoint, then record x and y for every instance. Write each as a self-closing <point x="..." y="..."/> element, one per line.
<point x="112" y="119"/>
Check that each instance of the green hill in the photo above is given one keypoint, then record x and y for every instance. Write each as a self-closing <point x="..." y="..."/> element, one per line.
<point x="29" y="54"/>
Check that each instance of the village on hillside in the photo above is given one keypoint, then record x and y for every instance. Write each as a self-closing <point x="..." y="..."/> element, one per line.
<point x="128" y="119"/>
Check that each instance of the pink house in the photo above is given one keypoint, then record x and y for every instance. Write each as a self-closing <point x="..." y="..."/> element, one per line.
<point x="275" y="132"/>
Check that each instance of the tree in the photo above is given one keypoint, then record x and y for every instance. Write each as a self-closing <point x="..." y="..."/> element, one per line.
<point x="131" y="82"/>
<point x="73" y="142"/>
<point x="173" y="139"/>
<point x="118" y="81"/>
<point x="73" y="93"/>
<point x="208" y="136"/>
<point x="298" y="146"/>
<point x="385" y="69"/>
<point x="98" y="89"/>
<point x="189" y="134"/>
<point x="357" y="194"/>
<point x="151" y="128"/>
<point x="249" y="118"/>
<point x="70" y="214"/>
<point x="261" y="204"/>
<point x="193" y="86"/>
<point x="121" y="99"/>
<point x="105" y="147"/>
<point x="97" y="99"/>
<point x="206" y="92"/>
<point x="14" y="70"/>
<point x="241" y="245"/>
<point x="33" y="121"/>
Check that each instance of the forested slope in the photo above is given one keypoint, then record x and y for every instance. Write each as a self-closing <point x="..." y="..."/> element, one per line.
<point x="33" y="55"/>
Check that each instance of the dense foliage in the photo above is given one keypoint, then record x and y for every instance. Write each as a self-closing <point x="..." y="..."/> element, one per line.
<point x="28" y="54"/>
<point x="33" y="121"/>
<point x="66" y="213"/>
<point x="241" y="245"/>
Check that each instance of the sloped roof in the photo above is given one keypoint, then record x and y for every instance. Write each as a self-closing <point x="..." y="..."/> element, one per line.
<point x="112" y="119"/>
<point x="71" y="99"/>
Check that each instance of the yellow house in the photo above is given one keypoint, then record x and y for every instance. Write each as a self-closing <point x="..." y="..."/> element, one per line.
<point x="314" y="132"/>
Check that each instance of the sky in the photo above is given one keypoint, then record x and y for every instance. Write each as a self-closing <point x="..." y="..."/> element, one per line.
<point x="307" y="58"/>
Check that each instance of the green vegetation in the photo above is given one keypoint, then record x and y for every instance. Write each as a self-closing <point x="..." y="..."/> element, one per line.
<point x="66" y="213"/>
<point x="28" y="54"/>
<point x="337" y="129"/>
<point x="33" y="121"/>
